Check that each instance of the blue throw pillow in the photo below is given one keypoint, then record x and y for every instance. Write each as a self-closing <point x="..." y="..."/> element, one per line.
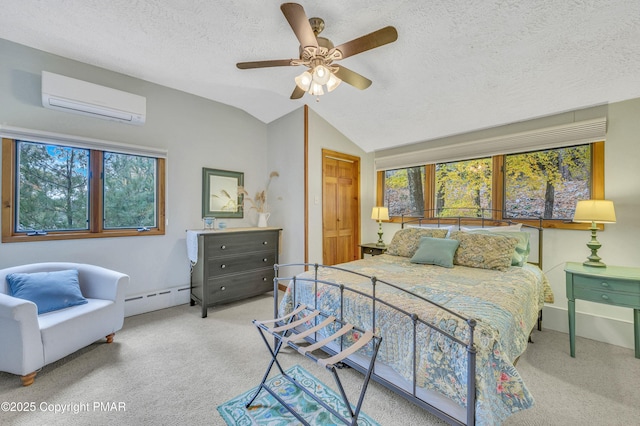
<point x="50" y="291"/>
<point x="436" y="251"/>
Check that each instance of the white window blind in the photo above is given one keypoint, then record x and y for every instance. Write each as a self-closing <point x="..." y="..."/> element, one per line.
<point x="546" y="138"/>
<point x="80" y="142"/>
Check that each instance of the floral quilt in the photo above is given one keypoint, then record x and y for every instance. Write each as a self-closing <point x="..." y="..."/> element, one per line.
<point x="505" y="305"/>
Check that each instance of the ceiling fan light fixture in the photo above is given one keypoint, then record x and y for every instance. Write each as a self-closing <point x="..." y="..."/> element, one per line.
<point x="304" y="80"/>
<point x="321" y="74"/>
<point x="316" y="89"/>
<point x="333" y="82"/>
<point x="318" y="54"/>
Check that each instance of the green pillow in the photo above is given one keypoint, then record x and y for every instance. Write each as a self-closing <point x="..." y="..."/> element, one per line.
<point x="405" y="241"/>
<point x="521" y="253"/>
<point x="484" y="250"/>
<point x="436" y="251"/>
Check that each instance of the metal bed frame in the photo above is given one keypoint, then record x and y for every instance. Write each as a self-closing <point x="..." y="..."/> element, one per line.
<point x="414" y="318"/>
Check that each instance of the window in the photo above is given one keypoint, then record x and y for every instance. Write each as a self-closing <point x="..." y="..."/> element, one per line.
<point x="129" y="191"/>
<point x="528" y="186"/>
<point x="54" y="191"/>
<point x="404" y="191"/>
<point x="547" y="183"/>
<point x="463" y="184"/>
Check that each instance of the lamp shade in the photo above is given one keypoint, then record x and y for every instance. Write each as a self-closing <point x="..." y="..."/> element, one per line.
<point x="599" y="211"/>
<point x="321" y="74"/>
<point x="333" y="82"/>
<point x="304" y="80"/>
<point x="380" y="213"/>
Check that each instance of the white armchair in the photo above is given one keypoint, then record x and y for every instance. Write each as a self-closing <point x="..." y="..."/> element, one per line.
<point x="31" y="341"/>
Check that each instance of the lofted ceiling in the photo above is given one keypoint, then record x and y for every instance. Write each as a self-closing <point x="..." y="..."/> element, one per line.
<point x="457" y="66"/>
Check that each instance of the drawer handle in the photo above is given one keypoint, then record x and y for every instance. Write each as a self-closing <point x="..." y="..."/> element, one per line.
<point x="264" y="260"/>
<point x="223" y="247"/>
<point x="223" y="288"/>
<point x="605" y="297"/>
<point x="264" y="243"/>
<point x="223" y="266"/>
<point x="604" y="284"/>
<point x="264" y="278"/>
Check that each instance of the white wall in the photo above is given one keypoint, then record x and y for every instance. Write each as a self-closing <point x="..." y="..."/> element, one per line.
<point x="197" y="133"/>
<point x="285" y="154"/>
<point x="619" y="241"/>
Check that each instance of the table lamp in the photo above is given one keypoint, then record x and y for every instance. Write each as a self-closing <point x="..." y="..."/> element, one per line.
<point x="594" y="211"/>
<point x="380" y="214"/>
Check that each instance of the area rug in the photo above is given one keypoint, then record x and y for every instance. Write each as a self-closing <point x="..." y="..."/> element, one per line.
<point x="266" y="410"/>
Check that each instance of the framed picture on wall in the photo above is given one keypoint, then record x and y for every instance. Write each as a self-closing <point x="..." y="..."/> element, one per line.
<point x="220" y="194"/>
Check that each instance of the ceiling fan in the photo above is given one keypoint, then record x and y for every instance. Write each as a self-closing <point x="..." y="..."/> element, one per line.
<point x="319" y="55"/>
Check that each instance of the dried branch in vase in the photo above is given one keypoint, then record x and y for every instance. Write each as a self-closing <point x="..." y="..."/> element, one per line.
<point x="259" y="202"/>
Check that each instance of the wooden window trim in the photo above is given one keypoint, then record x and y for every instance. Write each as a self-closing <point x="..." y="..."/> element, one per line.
<point x="95" y="201"/>
<point x="497" y="194"/>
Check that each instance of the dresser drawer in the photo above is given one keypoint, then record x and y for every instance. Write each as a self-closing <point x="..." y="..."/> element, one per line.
<point x="226" y="244"/>
<point x="606" y="284"/>
<point x="607" y="296"/>
<point x="239" y="286"/>
<point x="229" y="265"/>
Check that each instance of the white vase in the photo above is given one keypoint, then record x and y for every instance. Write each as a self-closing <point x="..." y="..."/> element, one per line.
<point x="262" y="219"/>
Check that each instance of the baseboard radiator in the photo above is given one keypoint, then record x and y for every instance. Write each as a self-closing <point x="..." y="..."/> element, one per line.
<point x="155" y="300"/>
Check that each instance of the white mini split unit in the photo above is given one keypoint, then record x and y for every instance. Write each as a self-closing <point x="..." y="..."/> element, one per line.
<point x="80" y="97"/>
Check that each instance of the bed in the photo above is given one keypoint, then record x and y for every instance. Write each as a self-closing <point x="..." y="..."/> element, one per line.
<point x="450" y="334"/>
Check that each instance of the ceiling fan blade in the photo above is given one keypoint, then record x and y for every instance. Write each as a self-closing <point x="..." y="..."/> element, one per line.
<point x="367" y="42"/>
<point x="299" y="24"/>
<point x="352" y="78"/>
<point x="264" y="64"/>
<point x="297" y="93"/>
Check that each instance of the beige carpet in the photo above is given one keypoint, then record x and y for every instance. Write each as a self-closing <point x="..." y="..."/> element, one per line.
<point x="171" y="367"/>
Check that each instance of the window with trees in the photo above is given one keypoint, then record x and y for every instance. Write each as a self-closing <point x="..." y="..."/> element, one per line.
<point x="542" y="184"/>
<point x="404" y="191"/>
<point x="547" y="183"/>
<point x="53" y="191"/>
<point x="462" y="185"/>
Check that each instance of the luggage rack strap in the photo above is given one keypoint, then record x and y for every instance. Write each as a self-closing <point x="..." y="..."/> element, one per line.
<point x="291" y="331"/>
<point x="363" y="340"/>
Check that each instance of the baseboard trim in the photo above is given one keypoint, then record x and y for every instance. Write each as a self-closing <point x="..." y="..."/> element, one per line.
<point x="608" y="330"/>
<point x="155" y="300"/>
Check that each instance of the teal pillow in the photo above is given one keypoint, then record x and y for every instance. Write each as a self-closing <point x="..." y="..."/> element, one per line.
<point x="50" y="291"/>
<point x="436" y="251"/>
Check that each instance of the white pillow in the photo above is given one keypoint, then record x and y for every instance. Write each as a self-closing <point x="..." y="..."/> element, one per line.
<point x="510" y="228"/>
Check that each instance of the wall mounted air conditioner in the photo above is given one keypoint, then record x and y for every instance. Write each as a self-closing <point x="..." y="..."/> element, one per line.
<point x="81" y="97"/>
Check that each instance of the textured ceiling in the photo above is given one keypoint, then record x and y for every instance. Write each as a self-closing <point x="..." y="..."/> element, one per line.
<point x="457" y="66"/>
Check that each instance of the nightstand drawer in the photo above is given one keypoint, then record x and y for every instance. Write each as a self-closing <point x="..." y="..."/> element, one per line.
<point x="371" y="248"/>
<point x="372" y="251"/>
<point x="609" y="297"/>
<point x="605" y="284"/>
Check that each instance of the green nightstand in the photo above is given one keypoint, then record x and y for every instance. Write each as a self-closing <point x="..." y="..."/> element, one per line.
<point x="371" y="248"/>
<point x="613" y="285"/>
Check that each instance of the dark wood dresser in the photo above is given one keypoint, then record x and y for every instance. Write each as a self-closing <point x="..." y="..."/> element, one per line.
<point x="233" y="264"/>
